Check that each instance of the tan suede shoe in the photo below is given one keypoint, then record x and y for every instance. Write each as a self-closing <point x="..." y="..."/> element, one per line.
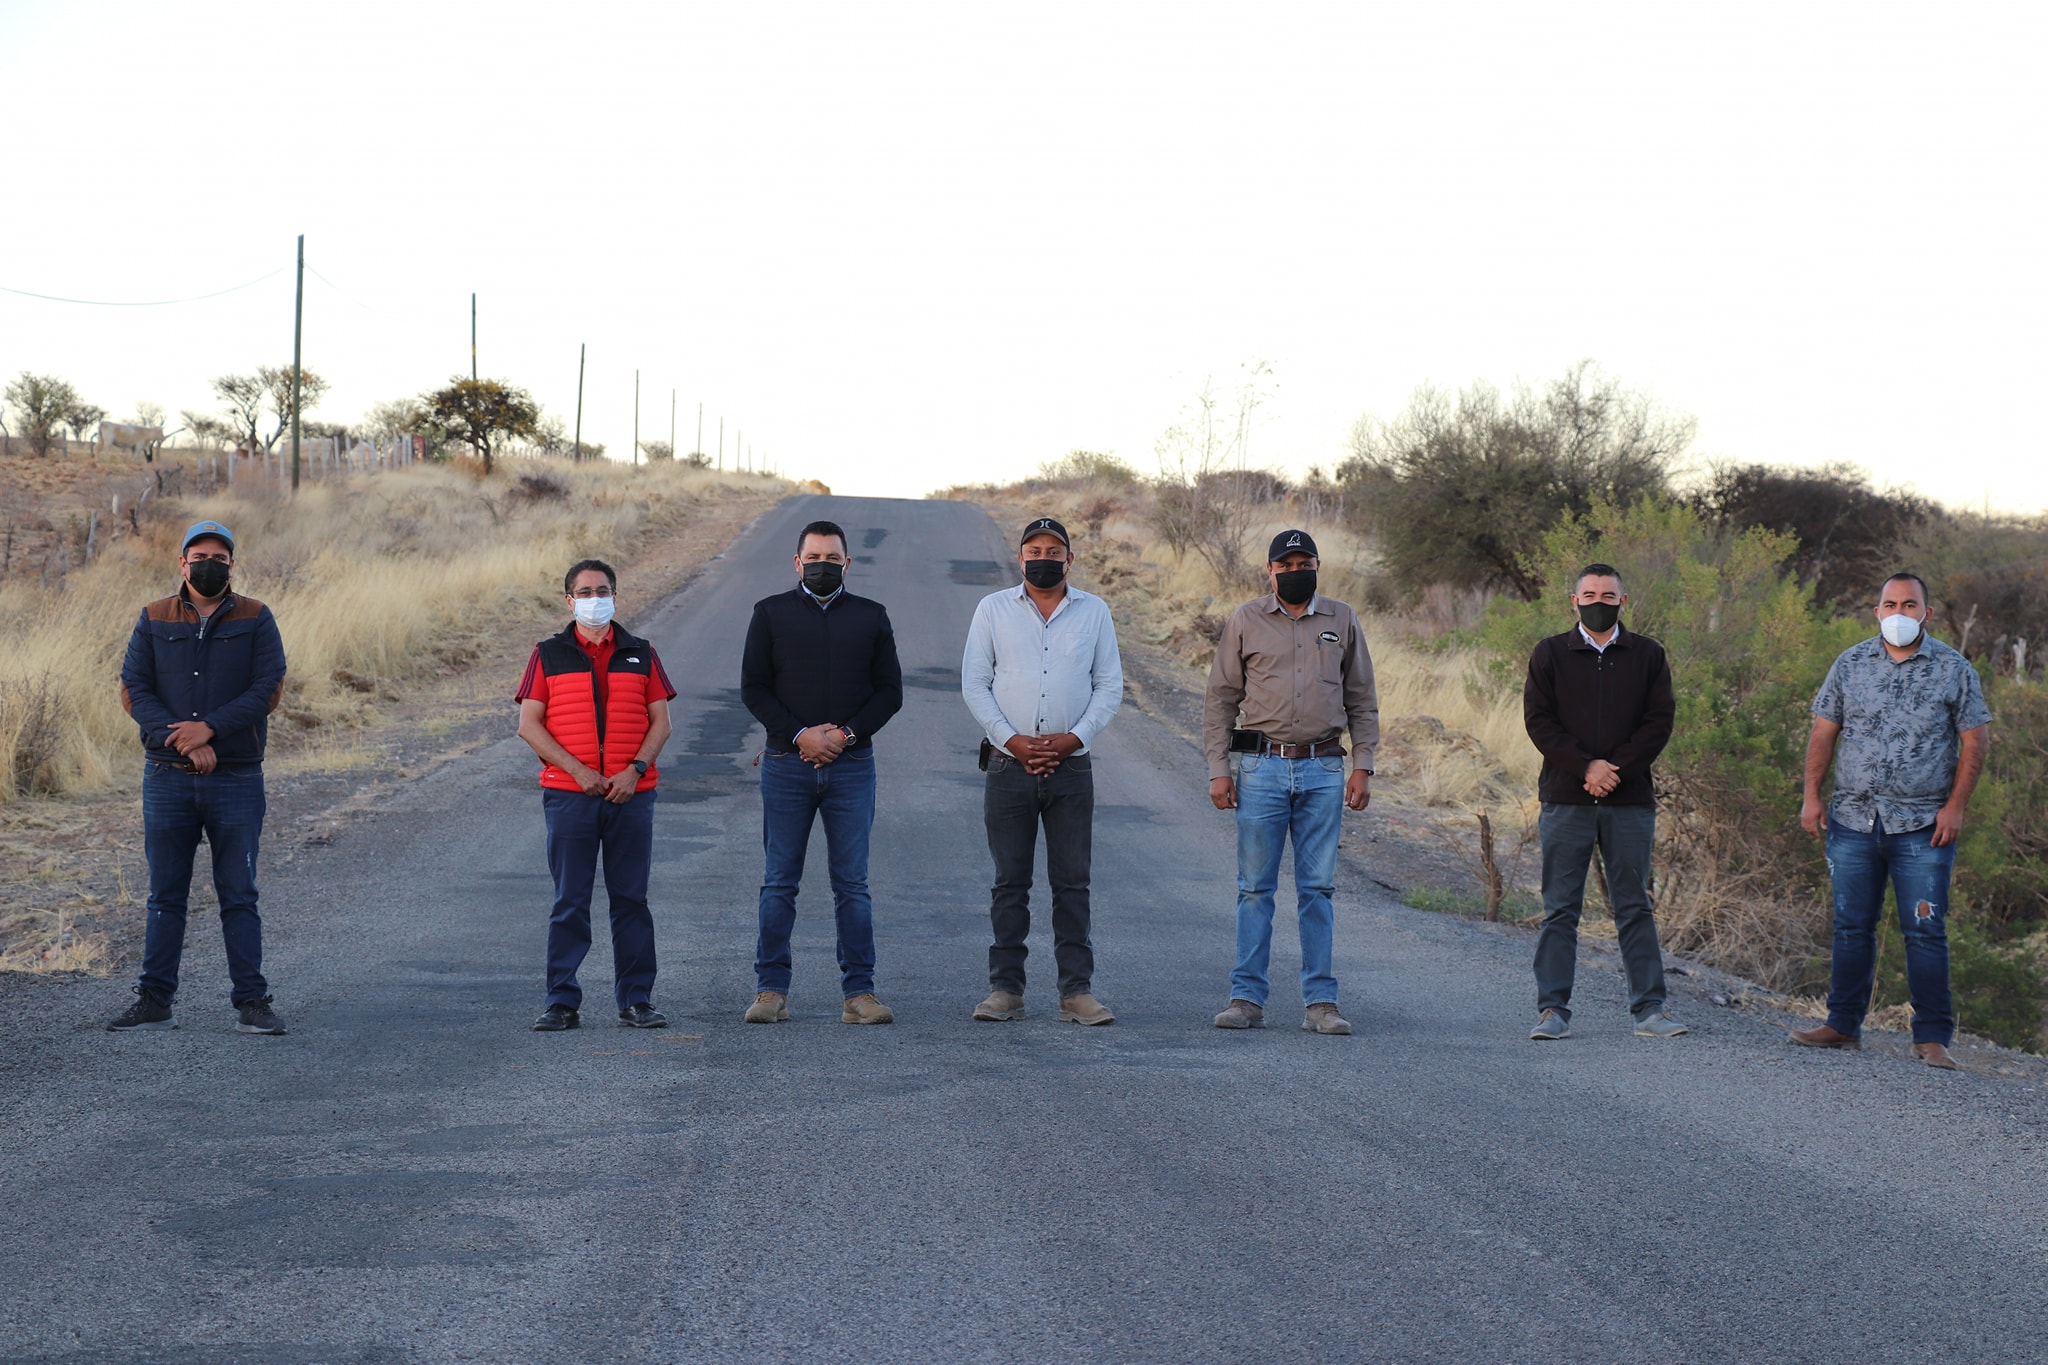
<point x="1000" y="1006"/>
<point x="1323" y="1018"/>
<point x="1935" y="1055"/>
<point x="865" y="1009"/>
<point x="1242" y="1014"/>
<point x="769" y="1007"/>
<point x="1825" y="1036"/>
<point x="1084" y="1009"/>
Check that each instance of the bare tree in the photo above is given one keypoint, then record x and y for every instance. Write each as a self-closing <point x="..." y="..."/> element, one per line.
<point x="1209" y="495"/>
<point x="658" y="450"/>
<point x="83" y="419"/>
<point x="244" y="395"/>
<point x="211" y="432"/>
<point x="394" y="417"/>
<point x="277" y="388"/>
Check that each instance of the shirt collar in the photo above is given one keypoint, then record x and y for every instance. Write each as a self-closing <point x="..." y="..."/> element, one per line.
<point x="1587" y="636"/>
<point x="1272" y="603"/>
<point x="805" y="589"/>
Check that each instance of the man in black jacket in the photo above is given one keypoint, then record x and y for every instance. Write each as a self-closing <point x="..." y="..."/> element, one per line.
<point x="1598" y="704"/>
<point x="820" y="674"/>
<point x="204" y="670"/>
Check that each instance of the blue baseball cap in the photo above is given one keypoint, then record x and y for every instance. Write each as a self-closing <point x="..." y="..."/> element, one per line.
<point x="199" y="530"/>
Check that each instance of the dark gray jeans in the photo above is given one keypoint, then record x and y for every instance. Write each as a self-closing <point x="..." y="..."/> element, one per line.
<point x="1624" y="835"/>
<point x="1013" y="805"/>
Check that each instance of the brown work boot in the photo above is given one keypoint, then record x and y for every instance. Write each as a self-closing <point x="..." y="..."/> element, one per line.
<point x="769" y="1007"/>
<point x="1825" y="1036"/>
<point x="1323" y="1018"/>
<point x="1084" y="1009"/>
<point x="1935" y="1055"/>
<point x="865" y="1009"/>
<point x="1000" y="1006"/>
<point x="1242" y="1014"/>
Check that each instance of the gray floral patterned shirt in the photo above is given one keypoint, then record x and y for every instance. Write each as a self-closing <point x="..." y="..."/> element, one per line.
<point x="1901" y="724"/>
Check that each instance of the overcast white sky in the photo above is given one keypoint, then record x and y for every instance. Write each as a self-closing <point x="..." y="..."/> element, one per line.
<point x="903" y="245"/>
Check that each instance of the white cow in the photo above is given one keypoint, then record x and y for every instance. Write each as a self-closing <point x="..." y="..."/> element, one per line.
<point x="123" y="435"/>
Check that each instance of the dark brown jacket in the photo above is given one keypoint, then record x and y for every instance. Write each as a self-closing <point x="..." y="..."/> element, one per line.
<point x="1580" y="704"/>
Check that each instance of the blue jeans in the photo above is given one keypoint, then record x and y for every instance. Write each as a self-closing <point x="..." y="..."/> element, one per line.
<point x="226" y="806"/>
<point x="1918" y="871"/>
<point x="793" y="794"/>
<point x="582" y="829"/>
<point x="1277" y="797"/>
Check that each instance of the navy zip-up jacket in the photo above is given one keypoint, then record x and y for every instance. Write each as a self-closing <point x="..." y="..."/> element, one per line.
<point x="806" y="665"/>
<point x="1580" y="704"/>
<point x="226" y="669"/>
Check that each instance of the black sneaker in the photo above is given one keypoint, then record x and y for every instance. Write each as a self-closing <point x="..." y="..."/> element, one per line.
<point x="642" y="1015"/>
<point x="555" y="1018"/>
<point x="146" y="1012"/>
<point x="254" y="1016"/>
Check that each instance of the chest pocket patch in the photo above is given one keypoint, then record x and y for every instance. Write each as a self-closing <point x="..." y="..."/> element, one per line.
<point x="1329" y="637"/>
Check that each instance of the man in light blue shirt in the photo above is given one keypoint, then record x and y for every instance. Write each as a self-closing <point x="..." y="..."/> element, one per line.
<point x="1042" y="676"/>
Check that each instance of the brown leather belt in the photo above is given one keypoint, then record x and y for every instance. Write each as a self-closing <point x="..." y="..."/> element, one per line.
<point x="1327" y="748"/>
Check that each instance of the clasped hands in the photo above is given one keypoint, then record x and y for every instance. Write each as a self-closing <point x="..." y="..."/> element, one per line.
<point x="818" y="745"/>
<point x="617" y="789"/>
<point x="194" y="739"/>
<point x="1602" y="778"/>
<point x="1041" y="754"/>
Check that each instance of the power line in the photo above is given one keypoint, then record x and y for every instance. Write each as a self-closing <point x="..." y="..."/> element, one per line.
<point x="144" y="303"/>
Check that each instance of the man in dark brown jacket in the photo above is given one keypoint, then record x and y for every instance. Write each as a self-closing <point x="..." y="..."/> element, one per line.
<point x="1598" y="705"/>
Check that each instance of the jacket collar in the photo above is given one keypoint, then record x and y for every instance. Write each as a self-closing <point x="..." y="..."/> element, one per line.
<point x="227" y="600"/>
<point x="621" y="637"/>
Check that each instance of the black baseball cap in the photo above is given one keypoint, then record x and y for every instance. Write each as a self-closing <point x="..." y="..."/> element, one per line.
<point x="1046" y="526"/>
<point x="1291" y="543"/>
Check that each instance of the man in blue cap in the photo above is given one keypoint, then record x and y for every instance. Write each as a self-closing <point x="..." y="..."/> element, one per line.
<point x="205" y="668"/>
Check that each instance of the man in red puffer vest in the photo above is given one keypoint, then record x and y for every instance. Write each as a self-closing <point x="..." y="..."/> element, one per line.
<point x="594" y="706"/>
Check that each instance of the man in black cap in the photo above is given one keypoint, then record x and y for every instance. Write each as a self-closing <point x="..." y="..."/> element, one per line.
<point x="1291" y="675"/>
<point x="1042" y="676"/>
<point x="204" y="670"/>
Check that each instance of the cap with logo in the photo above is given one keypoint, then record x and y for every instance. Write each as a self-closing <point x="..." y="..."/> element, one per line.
<point x="1291" y="543"/>
<point x="1046" y="526"/>
<point x="200" y="530"/>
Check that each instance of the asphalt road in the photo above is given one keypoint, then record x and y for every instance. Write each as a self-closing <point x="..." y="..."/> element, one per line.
<point x="413" y="1175"/>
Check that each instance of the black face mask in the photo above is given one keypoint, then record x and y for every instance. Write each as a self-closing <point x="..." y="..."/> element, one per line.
<point x="208" y="577"/>
<point x="823" y="577"/>
<point x="1599" y="617"/>
<point x="1044" y="573"/>
<point x="1295" y="586"/>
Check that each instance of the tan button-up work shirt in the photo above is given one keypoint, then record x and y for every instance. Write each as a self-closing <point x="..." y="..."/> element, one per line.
<point x="1301" y="679"/>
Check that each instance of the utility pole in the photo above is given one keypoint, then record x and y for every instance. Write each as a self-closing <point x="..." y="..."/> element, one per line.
<point x="739" y="445"/>
<point x="298" y="328"/>
<point x="636" y="417"/>
<point x="577" y="457"/>
<point x="698" y="449"/>
<point x="472" y="338"/>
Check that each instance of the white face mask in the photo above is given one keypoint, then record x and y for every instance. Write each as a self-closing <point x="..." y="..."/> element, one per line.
<point x="1899" y="630"/>
<point x="594" y="611"/>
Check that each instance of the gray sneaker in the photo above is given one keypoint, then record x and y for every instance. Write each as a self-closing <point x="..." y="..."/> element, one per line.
<point x="1658" y="1025"/>
<point x="1550" y="1026"/>
<point x="1242" y="1014"/>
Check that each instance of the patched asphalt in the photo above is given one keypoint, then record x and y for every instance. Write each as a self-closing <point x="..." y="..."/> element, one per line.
<point x="411" y="1174"/>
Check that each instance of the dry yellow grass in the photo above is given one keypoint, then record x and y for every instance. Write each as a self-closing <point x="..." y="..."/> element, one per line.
<point x="377" y="581"/>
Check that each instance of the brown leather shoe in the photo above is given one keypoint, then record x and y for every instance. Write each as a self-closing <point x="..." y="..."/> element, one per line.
<point x="1323" y="1018"/>
<point x="769" y="1007"/>
<point x="1825" y="1036"/>
<point x="1935" y="1055"/>
<point x="1000" y="1006"/>
<point x="1084" y="1009"/>
<point x="865" y="1009"/>
<point x="1242" y="1014"/>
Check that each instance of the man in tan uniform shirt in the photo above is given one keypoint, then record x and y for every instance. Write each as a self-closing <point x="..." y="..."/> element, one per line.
<point x="1291" y="676"/>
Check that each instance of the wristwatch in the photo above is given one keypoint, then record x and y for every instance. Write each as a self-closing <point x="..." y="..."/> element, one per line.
<point x="641" y="764"/>
<point x="847" y="730"/>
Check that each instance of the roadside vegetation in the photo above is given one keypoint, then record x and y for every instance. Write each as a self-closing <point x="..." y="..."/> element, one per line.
<point x="1455" y="527"/>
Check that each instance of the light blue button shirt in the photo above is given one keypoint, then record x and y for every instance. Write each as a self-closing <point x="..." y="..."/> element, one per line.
<point x="1025" y="673"/>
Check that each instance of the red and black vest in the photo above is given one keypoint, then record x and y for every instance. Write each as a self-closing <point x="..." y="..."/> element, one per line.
<point x="605" y="740"/>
